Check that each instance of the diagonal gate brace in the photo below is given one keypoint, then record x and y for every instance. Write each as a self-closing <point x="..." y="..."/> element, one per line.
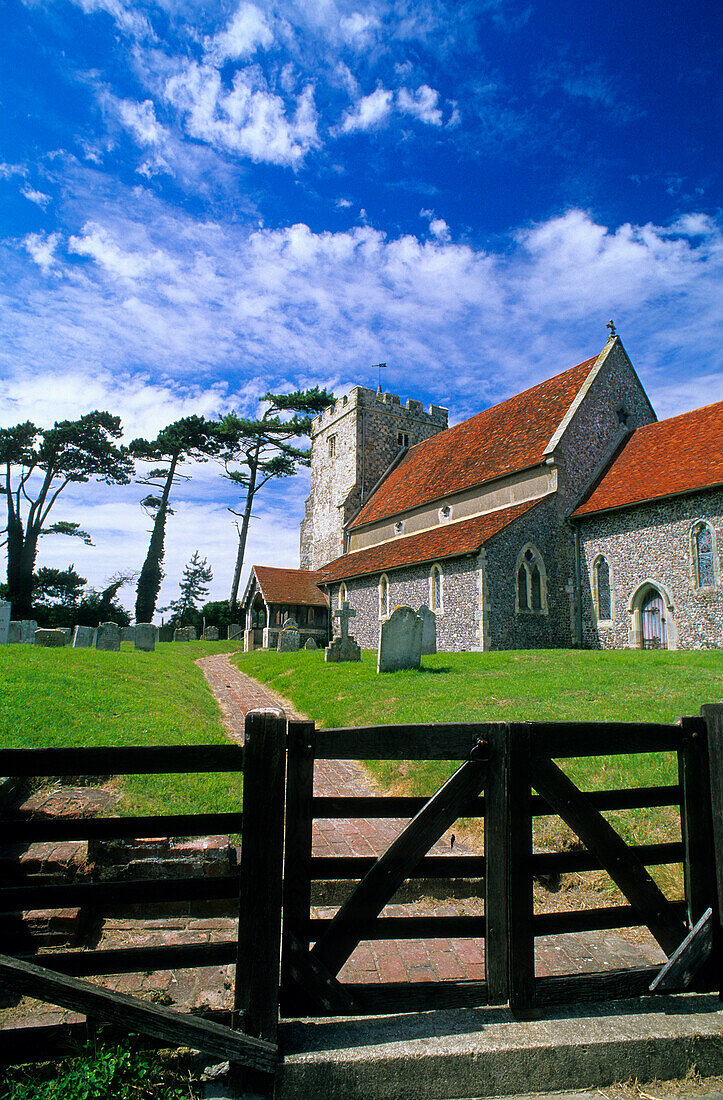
<point x="687" y="960"/>
<point x="136" y="1015"/>
<point x="599" y="837"/>
<point x="388" y="873"/>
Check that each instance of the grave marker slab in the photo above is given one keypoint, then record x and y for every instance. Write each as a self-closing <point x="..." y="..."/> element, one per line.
<point x="145" y="637"/>
<point x="310" y="644"/>
<point x="289" y="638"/>
<point x="4" y="621"/>
<point x="27" y="631"/>
<point x="83" y="637"/>
<point x="343" y="648"/>
<point x="210" y="634"/>
<point x="49" y="638"/>
<point x="128" y="634"/>
<point x="108" y="636"/>
<point x="14" y="632"/>
<point x="400" y="641"/>
<point x="235" y="632"/>
<point x="429" y="629"/>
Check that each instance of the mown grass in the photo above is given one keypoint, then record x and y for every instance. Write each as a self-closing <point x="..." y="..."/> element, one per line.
<point x="550" y="685"/>
<point x="85" y="697"/>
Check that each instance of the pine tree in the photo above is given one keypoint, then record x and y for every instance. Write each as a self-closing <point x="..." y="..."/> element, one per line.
<point x="194" y="584"/>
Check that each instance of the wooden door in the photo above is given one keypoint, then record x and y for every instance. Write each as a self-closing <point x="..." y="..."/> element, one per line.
<point x="654" y="624"/>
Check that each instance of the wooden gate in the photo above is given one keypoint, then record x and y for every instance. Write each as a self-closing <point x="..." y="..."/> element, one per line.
<point x="509" y="762"/>
<point x="53" y="976"/>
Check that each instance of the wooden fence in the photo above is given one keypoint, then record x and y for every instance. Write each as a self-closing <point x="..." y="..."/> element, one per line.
<point x="295" y="969"/>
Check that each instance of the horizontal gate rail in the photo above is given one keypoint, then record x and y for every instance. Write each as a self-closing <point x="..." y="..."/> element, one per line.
<point x="13" y="899"/>
<point x="21" y="829"/>
<point x="139" y="760"/>
<point x="132" y="960"/>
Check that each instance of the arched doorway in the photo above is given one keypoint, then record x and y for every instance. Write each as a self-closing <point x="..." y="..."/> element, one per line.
<point x="654" y="621"/>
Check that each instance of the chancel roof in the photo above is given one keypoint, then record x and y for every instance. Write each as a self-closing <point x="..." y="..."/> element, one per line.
<point x="290" y="586"/>
<point x="447" y="541"/>
<point x="680" y="455"/>
<point x="502" y="440"/>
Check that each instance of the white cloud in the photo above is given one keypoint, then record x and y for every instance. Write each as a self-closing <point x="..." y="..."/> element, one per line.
<point x="42" y="249"/>
<point x="248" y="119"/>
<point x="344" y="204"/>
<point x="247" y="30"/>
<point x="370" y="112"/>
<point x="126" y="15"/>
<point x="7" y="171"/>
<point x="38" y="197"/>
<point x="140" y="119"/>
<point x="423" y="104"/>
<point x="359" y="29"/>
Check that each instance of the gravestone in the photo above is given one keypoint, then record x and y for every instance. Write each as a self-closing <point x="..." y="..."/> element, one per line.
<point x="27" y="631"/>
<point x="108" y="636"/>
<point x="400" y="641"/>
<point x="128" y="634"/>
<point x="68" y="631"/>
<point x="210" y="634"/>
<point x="343" y="648"/>
<point x="191" y="632"/>
<point x="180" y="634"/>
<point x="50" y="638"/>
<point x="83" y="637"/>
<point x="14" y="632"/>
<point x="235" y="632"/>
<point x="310" y="644"/>
<point x="429" y="629"/>
<point x="4" y="622"/>
<point x="145" y="637"/>
<point x="289" y="637"/>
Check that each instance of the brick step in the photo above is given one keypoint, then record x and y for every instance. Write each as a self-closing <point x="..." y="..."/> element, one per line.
<point x="45" y="862"/>
<point x="160" y="857"/>
<point x="42" y="928"/>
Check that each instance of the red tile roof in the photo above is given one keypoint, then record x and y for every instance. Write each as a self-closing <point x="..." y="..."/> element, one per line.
<point x="508" y="437"/>
<point x="448" y="541"/>
<point x="680" y="455"/>
<point x="290" y="586"/>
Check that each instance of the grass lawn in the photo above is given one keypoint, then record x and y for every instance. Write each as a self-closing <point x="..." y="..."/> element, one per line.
<point x="85" y="697"/>
<point x="551" y="685"/>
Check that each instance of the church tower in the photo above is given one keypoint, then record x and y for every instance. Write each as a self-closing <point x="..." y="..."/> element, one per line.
<point x="353" y="443"/>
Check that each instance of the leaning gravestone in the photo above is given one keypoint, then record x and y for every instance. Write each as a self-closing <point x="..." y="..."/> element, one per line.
<point x="108" y="636"/>
<point x="50" y="638"/>
<point x="343" y="648"/>
<point x="83" y="637"/>
<point x="128" y="634"/>
<point x="68" y="631"/>
<point x="400" y="641"/>
<point x="145" y="637"/>
<point x="310" y="644"/>
<point x="14" y="631"/>
<point x="429" y="629"/>
<point x="27" y="631"/>
<point x="4" y="622"/>
<point x="210" y="634"/>
<point x="289" y="638"/>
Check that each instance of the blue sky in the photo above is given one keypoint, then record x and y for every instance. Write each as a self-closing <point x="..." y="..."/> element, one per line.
<point x="201" y="202"/>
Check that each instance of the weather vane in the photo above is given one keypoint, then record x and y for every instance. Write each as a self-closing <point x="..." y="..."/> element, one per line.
<point x="379" y="367"/>
<point x="611" y="326"/>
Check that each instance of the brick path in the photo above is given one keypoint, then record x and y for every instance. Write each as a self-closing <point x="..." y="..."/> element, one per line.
<point x="410" y="960"/>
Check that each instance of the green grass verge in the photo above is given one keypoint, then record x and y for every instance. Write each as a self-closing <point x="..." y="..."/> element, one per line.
<point x="104" y="1071"/>
<point x="550" y="685"/>
<point x="88" y="698"/>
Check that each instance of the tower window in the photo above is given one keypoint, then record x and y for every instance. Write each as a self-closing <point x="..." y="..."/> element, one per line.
<point x="403" y="439"/>
<point x="703" y="556"/>
<point x="332" y="446"/>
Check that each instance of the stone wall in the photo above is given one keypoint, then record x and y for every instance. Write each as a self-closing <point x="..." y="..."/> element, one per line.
<point x="365" y="428"/>
<point x="652" y="543"/>
<point x="595" y="429"/>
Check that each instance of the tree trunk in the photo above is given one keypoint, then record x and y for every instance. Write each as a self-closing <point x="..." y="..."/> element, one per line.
<point x="149" y="582"/>
<point x="243" y="533"/>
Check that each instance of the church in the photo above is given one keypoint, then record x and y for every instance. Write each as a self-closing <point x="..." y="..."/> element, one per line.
<point x="566" y="516"/>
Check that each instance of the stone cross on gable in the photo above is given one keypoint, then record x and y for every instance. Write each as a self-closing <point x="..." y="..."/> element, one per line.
<point x="344" y="614"/>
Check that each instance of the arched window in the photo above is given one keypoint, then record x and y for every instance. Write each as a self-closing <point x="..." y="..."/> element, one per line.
<point x="383" y="596"/>
<point x="601" y="590"/>
<point x="703" y="554"/>
<point x="531" y="582"/>
<point x="436" y="589"/>
<point x="342" y="595"/>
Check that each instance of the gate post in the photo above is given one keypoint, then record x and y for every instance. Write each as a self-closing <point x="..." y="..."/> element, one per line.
<point x="297" y="873"/>
<point x="262" y="846"/>
<point x="713" y="715"/>
<point x="498" y="814"/>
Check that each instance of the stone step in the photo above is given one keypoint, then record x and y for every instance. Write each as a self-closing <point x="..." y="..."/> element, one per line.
<point x="45" y="862"/>
<point x="41" y="928"/>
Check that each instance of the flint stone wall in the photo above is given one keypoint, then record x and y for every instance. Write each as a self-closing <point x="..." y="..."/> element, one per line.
<point x="652" y="543"/>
